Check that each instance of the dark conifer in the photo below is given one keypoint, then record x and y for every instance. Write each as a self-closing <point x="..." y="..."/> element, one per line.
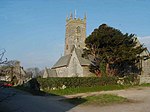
<point x="113" y="52"/>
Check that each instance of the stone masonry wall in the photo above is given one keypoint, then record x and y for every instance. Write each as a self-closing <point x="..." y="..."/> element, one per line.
<point x="74" y="68"/>
<point x="146" y="67"/>
<point x="75" y="34"/>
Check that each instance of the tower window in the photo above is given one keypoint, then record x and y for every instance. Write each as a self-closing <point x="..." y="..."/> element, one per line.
<point x="78" y="29"/>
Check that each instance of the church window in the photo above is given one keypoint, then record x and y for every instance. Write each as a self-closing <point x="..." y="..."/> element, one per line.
<point x="78" y="29"/>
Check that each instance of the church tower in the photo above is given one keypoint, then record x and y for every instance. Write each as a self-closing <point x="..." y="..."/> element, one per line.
<point x="72" y="64"/>
<point x="75" y="33"/>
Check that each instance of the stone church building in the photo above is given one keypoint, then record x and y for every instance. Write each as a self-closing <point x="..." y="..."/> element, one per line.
<point x="144" y="65"/>
<point x="72" y="64"/>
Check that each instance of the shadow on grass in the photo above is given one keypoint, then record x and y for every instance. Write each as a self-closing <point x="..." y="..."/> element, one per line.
<point x="101" y="100"/>
<point x="75" y="101"/>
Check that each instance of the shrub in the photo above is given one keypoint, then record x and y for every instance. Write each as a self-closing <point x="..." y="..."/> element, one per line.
<point x="131" y="79"/>
<point x="32" y="84"/>
<point x="75" y="82"/>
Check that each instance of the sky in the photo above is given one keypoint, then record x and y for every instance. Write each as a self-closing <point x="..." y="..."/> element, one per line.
<point x="33" y="31"/>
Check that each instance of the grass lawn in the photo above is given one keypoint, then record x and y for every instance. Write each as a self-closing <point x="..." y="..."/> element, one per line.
<point x="145" y="85"/>
<point x="103" y="99"/>
<point x="69" y="91"/>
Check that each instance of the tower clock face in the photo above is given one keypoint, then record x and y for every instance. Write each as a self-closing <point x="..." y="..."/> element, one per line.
<point x="78" y="29"/>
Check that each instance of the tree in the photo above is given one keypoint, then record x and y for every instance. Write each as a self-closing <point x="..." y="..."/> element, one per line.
<point x="112" y="51"/>
<point x="12" y="71"/>
<point x="33" y="72"/>
<point x="2" y="61"/>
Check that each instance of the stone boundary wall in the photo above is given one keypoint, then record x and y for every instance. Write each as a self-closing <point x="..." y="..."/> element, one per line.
<point x="144" y="79"/>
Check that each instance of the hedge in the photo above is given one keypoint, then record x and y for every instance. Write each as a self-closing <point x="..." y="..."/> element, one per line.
<point x="69" y="82"/>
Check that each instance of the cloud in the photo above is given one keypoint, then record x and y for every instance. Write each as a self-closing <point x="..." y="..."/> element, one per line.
<point x="146" y="41"/>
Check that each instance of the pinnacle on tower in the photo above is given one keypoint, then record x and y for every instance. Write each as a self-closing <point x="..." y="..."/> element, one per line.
<point x="85" y="16"/>
<point x="71" y="15"/>
<point x="75" y="14"/>
<point x="67" y="18"/>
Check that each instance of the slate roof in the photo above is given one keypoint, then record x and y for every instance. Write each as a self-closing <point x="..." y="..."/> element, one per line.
<point x="64" y="60"/>
<point x="51" y="72"/>
<point x="145" y="52"/>
<point x="82" y="60"/>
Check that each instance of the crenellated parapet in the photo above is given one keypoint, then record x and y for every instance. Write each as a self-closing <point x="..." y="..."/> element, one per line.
<point x="73" y="18"/>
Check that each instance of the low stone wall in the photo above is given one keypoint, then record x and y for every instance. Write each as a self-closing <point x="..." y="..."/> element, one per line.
<point x="144" y="79"/>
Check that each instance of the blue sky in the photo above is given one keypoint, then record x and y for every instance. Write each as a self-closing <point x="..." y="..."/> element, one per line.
<point x="33" y="31"/>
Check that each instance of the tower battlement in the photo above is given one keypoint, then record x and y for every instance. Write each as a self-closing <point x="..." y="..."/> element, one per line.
<point x="73" y="18"/>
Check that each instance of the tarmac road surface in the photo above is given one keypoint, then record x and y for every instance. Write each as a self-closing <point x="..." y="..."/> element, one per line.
<point x="12" y="100"/>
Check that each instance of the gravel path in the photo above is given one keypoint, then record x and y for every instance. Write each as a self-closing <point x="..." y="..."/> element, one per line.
<point x="140" y="98"/>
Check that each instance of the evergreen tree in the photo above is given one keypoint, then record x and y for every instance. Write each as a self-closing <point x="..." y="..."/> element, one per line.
<point x="112" y="51"/>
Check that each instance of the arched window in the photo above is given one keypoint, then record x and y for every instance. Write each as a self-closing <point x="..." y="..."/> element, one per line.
<point x="78" y="29"/>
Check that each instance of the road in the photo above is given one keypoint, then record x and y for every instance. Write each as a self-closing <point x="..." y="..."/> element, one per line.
<point x="12" y="100"/>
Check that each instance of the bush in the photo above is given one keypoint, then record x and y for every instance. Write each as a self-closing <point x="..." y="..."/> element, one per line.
<point x="75" y="82"/>
<point x="32" y="84"/>
<point x="131" y="79"/>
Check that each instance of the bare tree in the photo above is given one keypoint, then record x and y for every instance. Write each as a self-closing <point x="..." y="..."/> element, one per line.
<point x="34" y="72"/>
<point x="2" y="52"/>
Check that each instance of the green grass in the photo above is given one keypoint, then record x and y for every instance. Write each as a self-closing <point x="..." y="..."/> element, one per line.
<point x="69" y="91"/>
<point x="145" y="85"/>
<point x="103" y="99"/>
